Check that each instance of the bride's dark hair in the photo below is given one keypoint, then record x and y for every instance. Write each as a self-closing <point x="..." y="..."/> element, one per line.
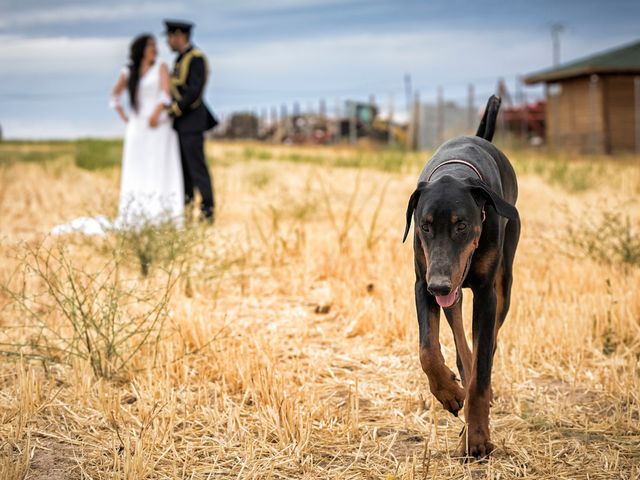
<point x="136" y="54"/>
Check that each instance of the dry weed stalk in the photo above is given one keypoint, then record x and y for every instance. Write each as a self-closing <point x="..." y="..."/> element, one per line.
<point x="69" y="312"/>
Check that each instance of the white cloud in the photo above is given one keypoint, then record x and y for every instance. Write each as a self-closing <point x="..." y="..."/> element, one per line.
<point x="275" y="5"/>
<point x="61" y="55"/>
<point x="87" y="12"/>
<point x="360" y="64"/>
<point x="377" y="60"/>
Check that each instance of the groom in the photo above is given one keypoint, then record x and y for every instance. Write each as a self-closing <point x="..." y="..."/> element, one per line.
<point x="191" y="117"/>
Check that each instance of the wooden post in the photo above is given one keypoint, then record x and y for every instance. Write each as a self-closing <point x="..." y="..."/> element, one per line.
<point x="263" y="126"/>
<point x="353" y="134"/>
<point x="471" y="114"/>
<point x="440" y="116"/>
<point x="284" y="120"/>
<point x="408" y="92"/>
<point x="414" y="124"/>
<point x="222" y="128"/>
<point x="390" y="123"/>
<point x="522" y="107"/>
<point x="501" y="127"/>
<point x="337" y="122"/>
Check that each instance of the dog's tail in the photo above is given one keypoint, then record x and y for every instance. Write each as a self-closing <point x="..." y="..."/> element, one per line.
<point x="488" y="123"/>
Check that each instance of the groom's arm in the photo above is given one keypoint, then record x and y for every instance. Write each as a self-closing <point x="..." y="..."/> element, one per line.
<point x="193" y="87"/>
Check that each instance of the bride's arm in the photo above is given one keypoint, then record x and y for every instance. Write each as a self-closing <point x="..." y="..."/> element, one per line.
<point x="116" y="92"/>
<point x="166" y="97"/>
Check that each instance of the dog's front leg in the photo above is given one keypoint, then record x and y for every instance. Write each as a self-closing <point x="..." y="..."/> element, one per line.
<point x="463" y="354"/>
<point x="478" y="400"/>
<point x="442" y="381"/>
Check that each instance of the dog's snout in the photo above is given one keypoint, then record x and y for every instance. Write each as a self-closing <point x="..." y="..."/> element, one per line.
<point x="439" y="286"/>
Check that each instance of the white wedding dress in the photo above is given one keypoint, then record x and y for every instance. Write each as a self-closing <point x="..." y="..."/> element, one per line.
<point x="151" y="190"/>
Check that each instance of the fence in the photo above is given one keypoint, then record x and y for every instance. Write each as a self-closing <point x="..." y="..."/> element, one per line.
<point x="422" y="123"/>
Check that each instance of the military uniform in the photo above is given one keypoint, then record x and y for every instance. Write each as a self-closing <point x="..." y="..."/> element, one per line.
<point x="191" y="119"/>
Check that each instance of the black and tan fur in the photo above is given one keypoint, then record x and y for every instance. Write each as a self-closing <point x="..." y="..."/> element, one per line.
<point x="465" y="236"/>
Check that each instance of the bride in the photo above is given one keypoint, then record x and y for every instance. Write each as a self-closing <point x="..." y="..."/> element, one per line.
<point x="151" y="188"/>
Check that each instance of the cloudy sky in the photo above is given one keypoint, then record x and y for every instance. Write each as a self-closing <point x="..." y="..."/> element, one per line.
<point x="60" y="57"/>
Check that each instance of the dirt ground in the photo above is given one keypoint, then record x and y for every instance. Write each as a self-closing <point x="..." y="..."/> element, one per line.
<point x="289" y="347"/>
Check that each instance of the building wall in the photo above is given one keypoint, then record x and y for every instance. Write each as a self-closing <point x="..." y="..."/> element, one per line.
<point x="619" y="112"/>
<point x="574" y="115"/>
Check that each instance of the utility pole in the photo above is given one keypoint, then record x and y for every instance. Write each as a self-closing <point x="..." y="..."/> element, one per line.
<point x="337" y="121"/>
<point x="322" y="109"/>
<point x="413" y="133"/>
<point x="440" y="116"/>
<point x="352" y="110"/>
<point x="471" y="110"/>
<point x="556" y="30"/>
<point x="522" y="103"/>
<point x="408" y="92"/>
<point x="284" y="117"/>
<point x="390" y="128"/>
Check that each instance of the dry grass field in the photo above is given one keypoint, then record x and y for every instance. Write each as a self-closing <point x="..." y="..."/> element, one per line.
<point x="281" y="343"/>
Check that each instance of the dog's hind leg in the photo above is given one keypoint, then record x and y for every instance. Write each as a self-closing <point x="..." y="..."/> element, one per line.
<point x="463" y="353"/>
<point x="477" y="404"/>
<point x="504" y="277"/>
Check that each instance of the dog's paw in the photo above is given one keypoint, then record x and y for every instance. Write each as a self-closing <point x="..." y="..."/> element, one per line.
<point x="480" y="450"/>
<point x="451" y="397"/>
<point x="477" y="446"/>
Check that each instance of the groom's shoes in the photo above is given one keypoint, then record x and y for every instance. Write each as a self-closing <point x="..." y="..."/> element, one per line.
<point x="207" y="217"/>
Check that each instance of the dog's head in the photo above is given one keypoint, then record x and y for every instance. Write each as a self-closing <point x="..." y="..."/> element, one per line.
<point x="449" y="215"/>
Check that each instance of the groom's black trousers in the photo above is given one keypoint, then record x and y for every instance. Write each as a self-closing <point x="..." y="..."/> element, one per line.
<point x="195" y="171"/>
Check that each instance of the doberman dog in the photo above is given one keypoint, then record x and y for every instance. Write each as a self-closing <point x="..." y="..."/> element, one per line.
<point x="465" y="236"/>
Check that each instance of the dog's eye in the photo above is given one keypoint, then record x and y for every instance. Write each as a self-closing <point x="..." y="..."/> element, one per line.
<point x="426" y="228"/>
<point x="461" y="227"/>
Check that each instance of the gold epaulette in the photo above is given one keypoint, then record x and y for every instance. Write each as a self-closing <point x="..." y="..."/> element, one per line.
<point x="183" y="72"/>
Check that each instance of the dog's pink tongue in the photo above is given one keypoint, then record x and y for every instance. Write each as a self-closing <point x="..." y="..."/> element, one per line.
<point x="446" y="301"/>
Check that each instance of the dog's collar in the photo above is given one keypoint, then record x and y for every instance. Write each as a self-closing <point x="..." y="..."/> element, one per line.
<point x="459" y="162"/>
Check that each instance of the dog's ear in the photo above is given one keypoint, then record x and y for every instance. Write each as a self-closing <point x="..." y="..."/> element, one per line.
<point x="413" y="202"/>
<point x="502" y="207"/>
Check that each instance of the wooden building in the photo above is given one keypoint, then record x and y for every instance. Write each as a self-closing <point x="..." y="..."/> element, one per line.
<point x="593" y="104"/>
